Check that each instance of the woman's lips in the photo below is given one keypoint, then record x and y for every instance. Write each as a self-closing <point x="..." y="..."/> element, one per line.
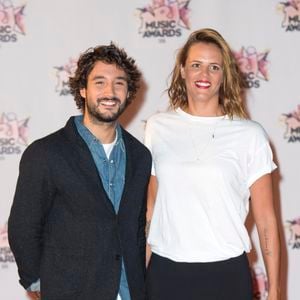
<point x="202" y="84"/>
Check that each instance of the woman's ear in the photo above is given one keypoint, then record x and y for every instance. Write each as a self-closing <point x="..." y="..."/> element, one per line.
<point x="182" y="72"/>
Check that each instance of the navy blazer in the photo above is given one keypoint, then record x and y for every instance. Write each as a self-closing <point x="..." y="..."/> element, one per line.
<point x="63" y="228"/>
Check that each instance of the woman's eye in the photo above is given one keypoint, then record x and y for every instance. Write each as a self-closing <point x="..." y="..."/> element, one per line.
<point x="195" y="65"/>
<point x="215" y="68"/>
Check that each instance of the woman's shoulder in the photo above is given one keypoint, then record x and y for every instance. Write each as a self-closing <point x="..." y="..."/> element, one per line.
<point x="250" y="127"/>
<point x="161" y="116"/>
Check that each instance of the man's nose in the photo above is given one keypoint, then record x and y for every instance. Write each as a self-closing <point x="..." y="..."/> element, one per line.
<point x="109" y="89"/>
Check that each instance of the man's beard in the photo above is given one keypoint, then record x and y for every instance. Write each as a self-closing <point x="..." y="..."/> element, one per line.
<point x="107" y="117"/>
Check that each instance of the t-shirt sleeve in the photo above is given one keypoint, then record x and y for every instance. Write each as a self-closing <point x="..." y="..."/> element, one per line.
<point x="148" y="142"/>
<point x="260" y="157"/>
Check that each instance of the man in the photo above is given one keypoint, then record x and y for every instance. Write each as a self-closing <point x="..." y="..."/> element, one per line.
<point x="77" y="223"/>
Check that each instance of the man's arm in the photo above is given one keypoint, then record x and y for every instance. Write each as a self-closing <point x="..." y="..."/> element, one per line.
<point x="27" y="216"/>
<point x="34" y="290"/>
<point x="141" y="232"/>
<point x="34" y="295"/>
<point x="267" y="227"/>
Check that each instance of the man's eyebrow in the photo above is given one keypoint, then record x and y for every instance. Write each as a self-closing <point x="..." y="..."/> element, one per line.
<point x="96" y="77"/>
<point x="122" y="78"/>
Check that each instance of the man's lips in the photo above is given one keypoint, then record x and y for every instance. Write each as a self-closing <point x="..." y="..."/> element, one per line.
<point x="202" y="84"/>
<point x="108" y="102"/>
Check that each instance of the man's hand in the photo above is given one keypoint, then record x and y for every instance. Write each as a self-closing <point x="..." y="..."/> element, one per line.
<point x="34" y="295"/>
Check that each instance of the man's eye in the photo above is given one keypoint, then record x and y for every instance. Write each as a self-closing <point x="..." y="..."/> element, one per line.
<point x="99" y="82"/>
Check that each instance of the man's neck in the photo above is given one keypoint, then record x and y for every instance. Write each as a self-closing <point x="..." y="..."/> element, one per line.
<point x="103" y="131"/>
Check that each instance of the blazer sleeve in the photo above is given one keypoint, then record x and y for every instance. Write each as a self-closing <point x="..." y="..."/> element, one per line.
<point x="31" y="202"/>
<point x="142" y="228"/>
<point x="142" y="217"/>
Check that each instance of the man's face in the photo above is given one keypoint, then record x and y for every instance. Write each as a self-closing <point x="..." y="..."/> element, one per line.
<point x="106" y="92"/>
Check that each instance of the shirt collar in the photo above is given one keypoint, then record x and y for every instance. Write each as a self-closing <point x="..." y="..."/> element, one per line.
<point x="88" y="136"/>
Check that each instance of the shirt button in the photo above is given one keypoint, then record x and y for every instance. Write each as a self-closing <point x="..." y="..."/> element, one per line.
<point x="110" y="184"/>
<point x="112" y="161"/>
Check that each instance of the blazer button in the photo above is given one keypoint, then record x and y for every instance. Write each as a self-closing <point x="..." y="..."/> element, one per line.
<point x="118" y="257"/>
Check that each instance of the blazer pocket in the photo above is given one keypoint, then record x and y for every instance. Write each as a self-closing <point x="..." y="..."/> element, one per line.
<point x="63" y="273"/>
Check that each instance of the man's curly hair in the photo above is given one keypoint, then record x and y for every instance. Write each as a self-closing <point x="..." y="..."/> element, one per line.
<point x="110" y="54"/>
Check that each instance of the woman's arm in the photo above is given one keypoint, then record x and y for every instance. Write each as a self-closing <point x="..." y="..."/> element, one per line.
<point x="152" y="190"/>
<point x="265" y="219"/>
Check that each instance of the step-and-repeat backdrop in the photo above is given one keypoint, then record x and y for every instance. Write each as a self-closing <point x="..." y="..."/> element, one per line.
<point x="40" y="42"/>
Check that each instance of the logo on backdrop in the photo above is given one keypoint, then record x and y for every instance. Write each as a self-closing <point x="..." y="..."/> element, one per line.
<point x="6" y="255"/>
<point x="253" y="65"/>
<point x="11" y="21"/>
<point x="164" y="19"/>
<point x="292" y="123"/>
<point x="293" y="227"/>
<point x="260" y="283"/>
<point x="62" y="75"/>
<point x="291" y="14"/>
<point x="13" y="134"/>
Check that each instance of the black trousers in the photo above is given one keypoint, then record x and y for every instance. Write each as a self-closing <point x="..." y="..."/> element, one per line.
<point x="223" y="280"/>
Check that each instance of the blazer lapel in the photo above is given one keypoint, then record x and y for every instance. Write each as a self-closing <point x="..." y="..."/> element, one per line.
<point x="128" y="169"/>
<point x="86" y="166"/>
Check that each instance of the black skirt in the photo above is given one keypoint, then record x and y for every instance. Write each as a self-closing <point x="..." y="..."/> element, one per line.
<point x="223" y="280"/>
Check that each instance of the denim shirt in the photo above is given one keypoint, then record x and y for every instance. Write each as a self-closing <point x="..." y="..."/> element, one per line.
<point x="112" y="174"/>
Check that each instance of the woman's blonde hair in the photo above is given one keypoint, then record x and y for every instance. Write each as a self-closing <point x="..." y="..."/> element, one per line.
<point x="230" y="96"/>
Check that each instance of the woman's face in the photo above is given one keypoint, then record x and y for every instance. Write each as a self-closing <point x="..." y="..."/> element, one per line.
<point x="203" y="73"/>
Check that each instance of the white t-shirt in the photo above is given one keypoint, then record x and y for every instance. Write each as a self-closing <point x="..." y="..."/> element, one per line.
<point x="108" y="147"/>
<point x="204" y="167"/>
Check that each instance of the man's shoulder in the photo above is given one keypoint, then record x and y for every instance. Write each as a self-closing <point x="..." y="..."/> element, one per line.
<point x="50" y="143"/>
<point x="134" y="143"/>
<point x="39" y="149"/>
<point x="129" y="138"/>
<point x="47" y="140"/>
<point x="55" y="138"/>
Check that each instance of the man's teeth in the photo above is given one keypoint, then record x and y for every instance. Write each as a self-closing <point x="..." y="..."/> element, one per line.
<point x="109" y="102"/>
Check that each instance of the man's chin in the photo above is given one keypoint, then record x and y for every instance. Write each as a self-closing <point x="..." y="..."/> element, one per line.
<point x="108" y="117"/>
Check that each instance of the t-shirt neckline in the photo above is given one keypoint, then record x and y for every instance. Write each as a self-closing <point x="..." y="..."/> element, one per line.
<point x="202" y="119"/>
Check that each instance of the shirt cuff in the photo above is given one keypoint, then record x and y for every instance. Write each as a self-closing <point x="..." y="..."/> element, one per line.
<point x="35" y="287"/>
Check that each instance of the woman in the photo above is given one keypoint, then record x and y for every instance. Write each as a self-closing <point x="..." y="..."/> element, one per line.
<point x="209" y="159"/>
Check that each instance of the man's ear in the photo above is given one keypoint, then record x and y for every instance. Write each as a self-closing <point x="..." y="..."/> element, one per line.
<point x="83" y="93"/>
